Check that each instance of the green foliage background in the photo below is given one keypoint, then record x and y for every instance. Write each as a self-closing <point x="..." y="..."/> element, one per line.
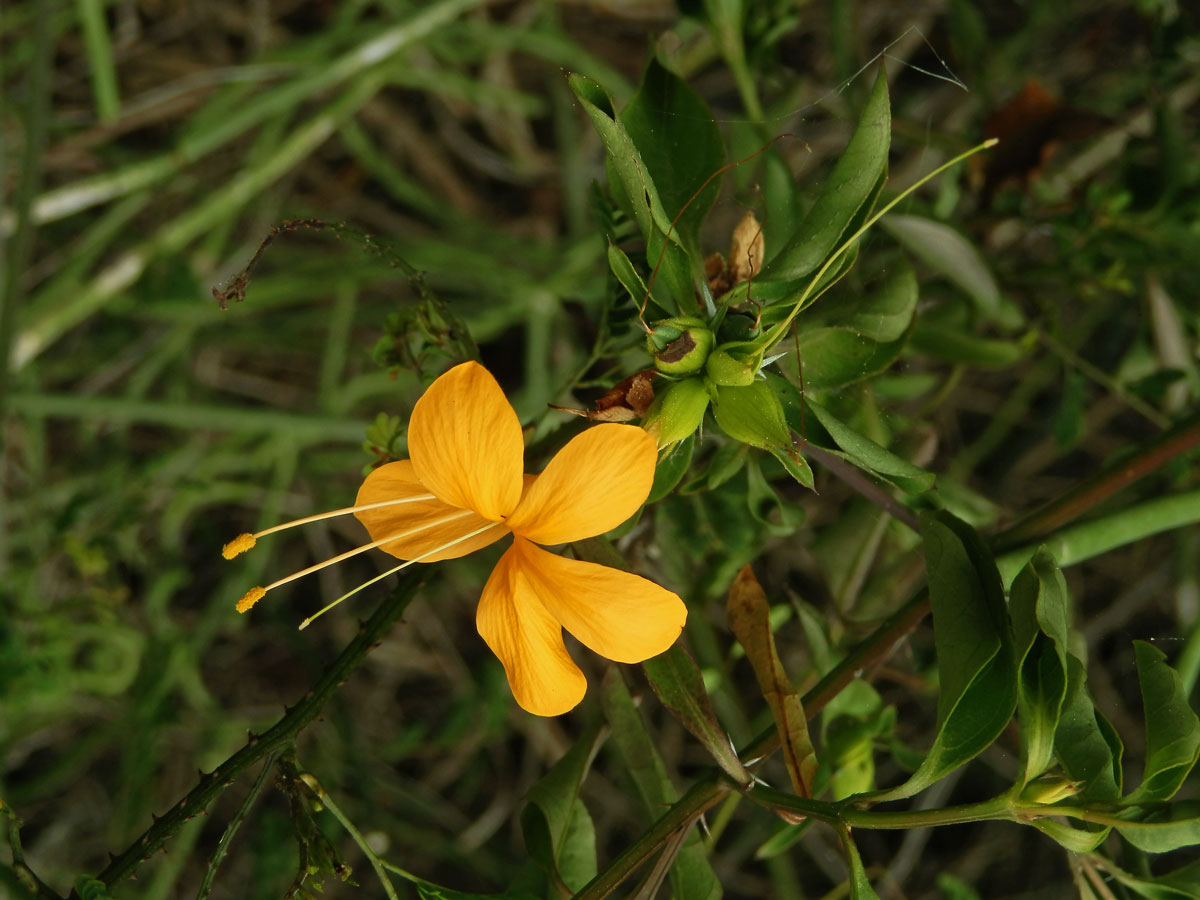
<point x="149" y="149"/>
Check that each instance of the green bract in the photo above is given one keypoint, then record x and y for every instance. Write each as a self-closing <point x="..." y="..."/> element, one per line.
<point x="752" y="414"/>
<point x="728" y="368"/>
<point x="677" y="411"/>
<point x="680" y="345"/>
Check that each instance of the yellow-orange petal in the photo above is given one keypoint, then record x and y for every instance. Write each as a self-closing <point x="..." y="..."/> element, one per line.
<point x="528" y="641"/>
<point x="465" y="442"/>
<point x="427" y="524"/>
<point x="593" y="484"/>
<point x="619" y="615"/>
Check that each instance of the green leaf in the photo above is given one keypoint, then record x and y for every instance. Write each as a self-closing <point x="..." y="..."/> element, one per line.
<point x="835" y="357"/>
<point x="1172" y="728"/>
<point x="954" y="345"/>
<point x="1085" y="743"/>
<point x="631" y="182"/>
<point x="1182" y="884"/>
<point x="557" y="827"/>
<point x="671" y="470"/>
<point x="677" y="681"/>
<point x="1077" y="840"/>
<point x="1185" y="879"/>
<point x="976" y="669"/>
<point x="860" y="886"/>
<point x="797" y="466"/>
<point x="680" y="144"/>
<point x="753" y="415"/>
<point x="955" y="258"/>
<point x="850" y="186"/>
<point x="883" y="314"/>
<point x="866" y="454"/>
<point x="1126" y="526"/>
<point x="691" y="875"/>
<point x="762" y="500"/>
<point x="623" y="268"/>
<point x="1168" y="828"/>
<point x="1041" y="620"/>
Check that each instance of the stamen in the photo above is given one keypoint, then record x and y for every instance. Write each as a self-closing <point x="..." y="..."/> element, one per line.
<point x="251" y="597"/>
<point x="244" y="542"/>
<point x="394" y="570"/>
<point x="371" y="546"/>
<point x="238" y="545"/>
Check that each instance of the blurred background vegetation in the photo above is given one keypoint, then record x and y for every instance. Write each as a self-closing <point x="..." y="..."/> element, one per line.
<point x="150" y="147"/>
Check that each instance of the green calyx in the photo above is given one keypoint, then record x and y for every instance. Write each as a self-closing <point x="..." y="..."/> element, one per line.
<point x="681" y="345"/>
<point x="677" y="411"/>
<point x="731" y="366"/>
<point x="752" y="414"/>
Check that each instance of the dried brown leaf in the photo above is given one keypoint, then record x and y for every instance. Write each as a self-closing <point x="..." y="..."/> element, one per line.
<point x="628" y="399"/>
<point x="749" y="617"/>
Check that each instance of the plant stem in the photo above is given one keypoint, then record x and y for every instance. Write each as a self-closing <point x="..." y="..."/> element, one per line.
<point x="996" y="808"/>
<point x="231" y="830"/>
<point x="25" y="876"/>
<point x="311" y="782"/>
<point x="279" y="736"/>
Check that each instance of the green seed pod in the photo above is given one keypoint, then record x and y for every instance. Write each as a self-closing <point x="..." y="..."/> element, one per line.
<point x="728" y="369"/>
<point x="680" y="345"/>
<point x="753" y="415"/>
<point x="677" y="411"/>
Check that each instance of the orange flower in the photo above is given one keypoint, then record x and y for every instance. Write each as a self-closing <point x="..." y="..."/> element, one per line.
<point x="464" y="488"/>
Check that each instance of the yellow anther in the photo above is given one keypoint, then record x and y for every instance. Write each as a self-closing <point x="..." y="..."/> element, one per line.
<point x="238" y="545"/>
<point x="251" y="597"/>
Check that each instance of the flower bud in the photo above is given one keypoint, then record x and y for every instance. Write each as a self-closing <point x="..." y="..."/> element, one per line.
<point x="677" y="411"/>
<point x="680" y="345"/>
<point x="1049" y="789"/>
<point x="753" y="415"/>
<point x="728" y="369"/>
